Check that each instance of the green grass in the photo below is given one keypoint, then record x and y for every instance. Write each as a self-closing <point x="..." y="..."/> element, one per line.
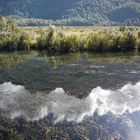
<point x="94" y="42"/>
<point x="63" y="40"/>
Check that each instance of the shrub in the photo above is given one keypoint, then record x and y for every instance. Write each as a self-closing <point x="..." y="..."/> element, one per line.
<point x="128" y="42"/>
<point x="41" y="42"/>
<point x="116" y="47"/>
<point x="49" y="41"/>
<point x="10" y="35"/>
<point x="69" y="44"/>
<point x="45" y="42"/>
<point x="103" y="42"/>
<point x="123" y="28"/>
<point x="23" y="43"/>
<point x="138" y="44"/>
<point x="98" y="43"/>
<point x="32" y="44"/>
<point x="138" y="35"/>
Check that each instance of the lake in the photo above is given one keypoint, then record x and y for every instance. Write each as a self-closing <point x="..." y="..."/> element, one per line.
<point x="76" y="96"/>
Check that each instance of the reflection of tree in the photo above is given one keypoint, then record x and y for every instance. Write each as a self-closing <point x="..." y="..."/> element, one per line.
<point x="54" y="61"/>
<point x="114" y="58"/>
<point x="9" y="60"/>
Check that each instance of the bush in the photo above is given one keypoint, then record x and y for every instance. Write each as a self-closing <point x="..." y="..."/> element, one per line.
<point x="45" y="42"/>
<point x="69" y="44"/>
<point x="32" y="44"/>
<point x="49" y="42"/>
<point x="138" y="44"/>
<point x="8" y="43"/>
<point x="128" y="42"/>
<point x="98" y="43"/>
<point x="116" y="47"/>
<point x="103" y="42"/>
<point x="23" y="43"/>
<point x="41" y="42"/>
<point x="123" y="28"/>
<point x="10" y="37"/>
<point x="138" y="35"/>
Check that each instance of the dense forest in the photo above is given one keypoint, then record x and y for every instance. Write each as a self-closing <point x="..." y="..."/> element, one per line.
<point x="72" y="12"/>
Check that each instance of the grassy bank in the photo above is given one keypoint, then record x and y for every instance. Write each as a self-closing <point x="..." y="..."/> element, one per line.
<point x="62" y="40"/>
<point x="102" y="42"/>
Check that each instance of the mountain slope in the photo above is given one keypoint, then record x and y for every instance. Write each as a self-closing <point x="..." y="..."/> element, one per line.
<point x="89" y="12"/>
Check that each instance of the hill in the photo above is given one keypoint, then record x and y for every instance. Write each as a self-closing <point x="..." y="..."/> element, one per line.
<point x="73" y="12"/>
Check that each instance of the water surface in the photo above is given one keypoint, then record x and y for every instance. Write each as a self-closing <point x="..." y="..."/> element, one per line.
<point x="93" y="95"/>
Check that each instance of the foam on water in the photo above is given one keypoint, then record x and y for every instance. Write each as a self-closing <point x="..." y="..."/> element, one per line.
<point x="16" y="101"/>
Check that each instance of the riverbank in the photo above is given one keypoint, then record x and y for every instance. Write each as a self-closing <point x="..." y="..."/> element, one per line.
<point x="63" y="40"/>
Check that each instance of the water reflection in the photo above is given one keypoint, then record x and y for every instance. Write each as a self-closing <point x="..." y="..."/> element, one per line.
<point x="55" y="61"/>
<point x="77" y="74"/>
<point x="9" y="60"/>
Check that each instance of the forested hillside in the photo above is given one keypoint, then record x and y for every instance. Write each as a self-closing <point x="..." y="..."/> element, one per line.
<point x="73" y="12"/>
